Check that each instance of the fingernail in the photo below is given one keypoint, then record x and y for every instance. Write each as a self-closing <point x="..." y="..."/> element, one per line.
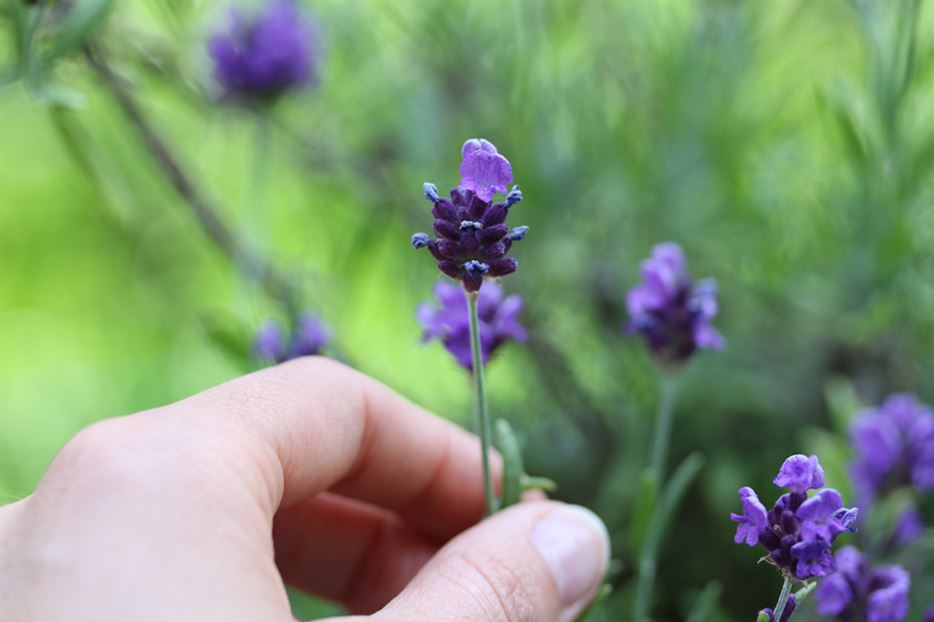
<point x="574" y="543"/>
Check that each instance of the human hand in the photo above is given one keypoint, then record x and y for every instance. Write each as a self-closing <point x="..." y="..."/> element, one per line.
<point x="308" y="473"/>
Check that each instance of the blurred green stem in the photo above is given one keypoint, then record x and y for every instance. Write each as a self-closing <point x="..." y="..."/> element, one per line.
<point x="663" y="426"/>
<point x="255" y="266"/>
<point x="649" y="561"/>
<point x="782" y="599"/>
<point x="480" y="405"/>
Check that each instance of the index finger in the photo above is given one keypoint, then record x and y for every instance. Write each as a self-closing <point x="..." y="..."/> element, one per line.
<point x="314" y="425"/>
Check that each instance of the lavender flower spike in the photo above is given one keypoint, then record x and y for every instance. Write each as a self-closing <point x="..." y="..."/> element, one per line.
<point x="258" y="58"/>
<point x="797" y="532"/>
<point x="472" y="238"/>
<point x="449" y="322"/>
<point x="894" y="446"/>
<point x="672" y="313"/>
<point x="800" y="473"/>
<point x="858" y="591"/>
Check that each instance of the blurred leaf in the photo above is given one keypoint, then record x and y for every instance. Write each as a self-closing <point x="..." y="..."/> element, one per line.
<point x="643" y="510"/>
<point x="842" y="401"/>
<point x="705" y="602"/>
<point x="512" y="464"/>
<point x="78" y="24"/>
<point x="594" y="611"/>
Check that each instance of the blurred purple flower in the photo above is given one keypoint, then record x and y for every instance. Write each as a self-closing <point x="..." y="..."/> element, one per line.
<point x="309" y="338"/>
<point x="449" y="322"/>
<point x="908" y="528"/>
<point x="929" y="614"/>
<point x="673" y="313"/>
<point x="472" y="236"/>
<point x="894" y="447"/>
<point x="797" y="532"/>
<point x="259" y="57"/>
<point x="789" y="609"/>
<point x="800" y="473"/>
<point x="858" y="591"/>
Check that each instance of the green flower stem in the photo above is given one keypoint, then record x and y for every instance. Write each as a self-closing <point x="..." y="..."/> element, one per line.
<point x="648" y="562"/>
<point x="782" y="599"/>
<point x="663" y="427"/>
<point x="480" y="406"/>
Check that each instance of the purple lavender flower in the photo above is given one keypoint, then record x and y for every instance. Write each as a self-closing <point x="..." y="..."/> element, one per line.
<point x="858" y="591"/>
<point x="800" y="473"/>
<point x="894" y="446"/>
<point x="472" y="236"/>
<point x="449" y="322"/>
<point x="908" y="527"/>
<point x="929" y="614"/>
<point x="308" y="339"/>
<point x="752" y="520"/>
<point x="673" y="313"/>
<point x="797" y="532"/>
<point x="790" y="606"/>
<point x="260" y="57"/>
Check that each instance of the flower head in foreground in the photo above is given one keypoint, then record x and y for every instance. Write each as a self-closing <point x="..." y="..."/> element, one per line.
<point x="672" y="312"/>
<point x="260" y="57"/>
<point x="894" y="447"/>
<point x="798" y="531"/>
<point x="860" y="592"/>
<point x="449" y="322"/>
<point x="309" y="338"/>
<point x="472" y="238"/>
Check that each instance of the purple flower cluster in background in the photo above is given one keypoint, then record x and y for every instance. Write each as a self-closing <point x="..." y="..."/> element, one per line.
<point x="472" y="236"/>
<point x="449" y="321"/>
<point x="798" y="531"/>
<point x="672" y="312"/>
<point x="257" y="58"/>
<point x="894" y="447"/>
<point x="309" y="338"/>
<point x="860" y="592"/>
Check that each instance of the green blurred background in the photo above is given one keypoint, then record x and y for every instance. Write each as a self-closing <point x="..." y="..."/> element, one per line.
<point x="787" y="145"/>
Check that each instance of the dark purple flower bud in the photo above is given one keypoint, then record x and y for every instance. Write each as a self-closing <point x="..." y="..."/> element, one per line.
<point x="789" y="609"/>
<point x="498" y="321"/>
<point x="813" y="559"/>
<point x="260" y="57"/>
<point x="514" y="196"/>
<point x="672" y="313"/>
<point x="420" y="240"/>
<point x="471" y="231"/>
<point x="752" y="521"/>
<point x="431" y="192"/>
<point x="800" y="473"/>
<point x="857" y="590"/>
<point x="894" y="447"/>
<point x="518" y="233"/>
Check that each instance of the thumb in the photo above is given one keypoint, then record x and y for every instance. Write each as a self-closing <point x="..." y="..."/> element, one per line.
<point x="540" y="562"/>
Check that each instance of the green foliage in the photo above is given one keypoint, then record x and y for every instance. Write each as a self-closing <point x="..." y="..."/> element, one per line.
<point x="788" y="146"/>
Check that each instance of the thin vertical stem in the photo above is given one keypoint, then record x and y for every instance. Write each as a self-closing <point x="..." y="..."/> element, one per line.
<point x="782" y="599"/>
<point x="649" y="558"/>
<point x="480" y="405"/>
<point x="663" y="427"/>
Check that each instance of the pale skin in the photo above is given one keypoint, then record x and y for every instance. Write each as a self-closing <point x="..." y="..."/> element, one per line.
<point x="308" y="474"/>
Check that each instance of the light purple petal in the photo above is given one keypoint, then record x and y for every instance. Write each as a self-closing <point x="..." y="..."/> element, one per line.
<point x="483" y="170"/>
